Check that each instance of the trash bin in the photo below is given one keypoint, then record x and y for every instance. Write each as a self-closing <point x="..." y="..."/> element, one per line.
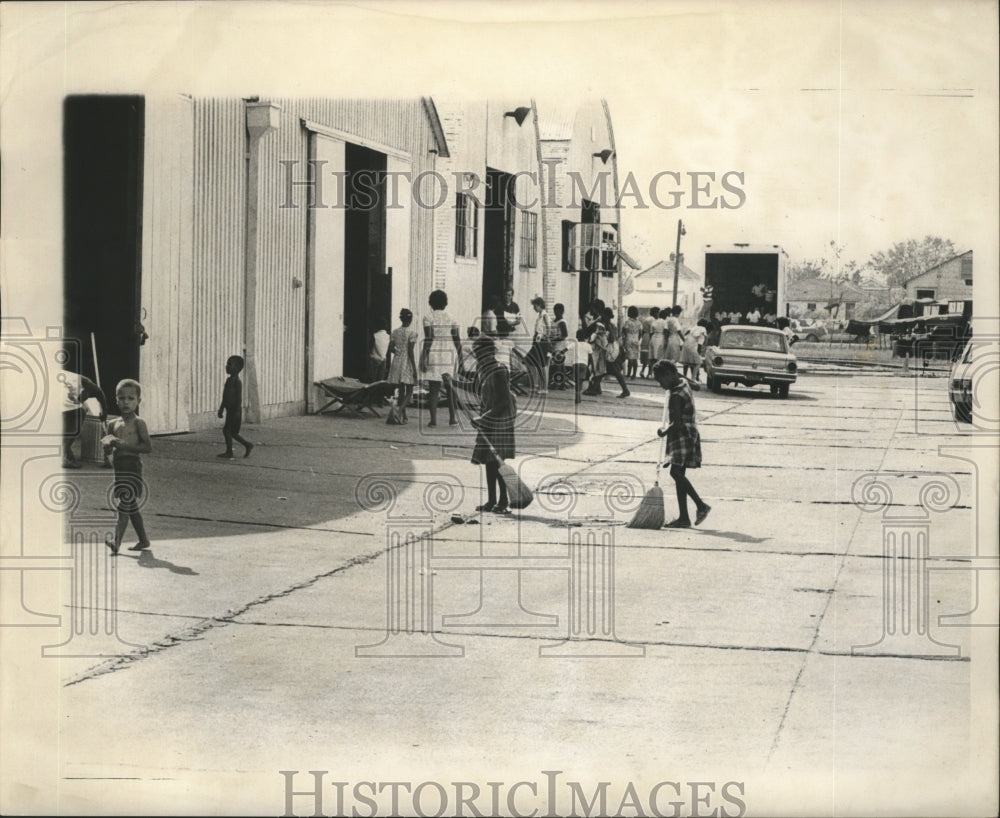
<point x="93" y="430"/>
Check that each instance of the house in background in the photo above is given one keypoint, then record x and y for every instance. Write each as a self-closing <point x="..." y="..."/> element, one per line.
<point x="944" y="288"/>
<point x="822" y="298"/>
<point x="654" y="287"/>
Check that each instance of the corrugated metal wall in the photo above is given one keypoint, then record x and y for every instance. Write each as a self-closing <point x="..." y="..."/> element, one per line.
<point x="219" y="234"/>
<point x="281" y="259"/>
<point x="219" y="231"/>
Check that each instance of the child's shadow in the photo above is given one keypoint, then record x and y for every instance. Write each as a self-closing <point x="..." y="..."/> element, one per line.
<point x="147" y="560"/>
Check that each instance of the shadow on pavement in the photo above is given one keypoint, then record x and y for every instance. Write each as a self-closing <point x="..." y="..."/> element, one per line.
<point x="147" y="560"/>
<point x="735" y="536"/>
<point x="302" y="473"/>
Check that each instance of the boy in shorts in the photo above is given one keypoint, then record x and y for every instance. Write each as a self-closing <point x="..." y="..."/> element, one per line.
<point x="128" y="438"/>
<point x="232" y="406"/>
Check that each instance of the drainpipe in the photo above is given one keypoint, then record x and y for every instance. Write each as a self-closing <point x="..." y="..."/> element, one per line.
<point x="261" y="118"/>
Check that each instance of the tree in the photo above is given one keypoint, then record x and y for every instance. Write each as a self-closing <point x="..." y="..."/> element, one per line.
<point x="909" y="258"/>
<point x="807" y="268"/>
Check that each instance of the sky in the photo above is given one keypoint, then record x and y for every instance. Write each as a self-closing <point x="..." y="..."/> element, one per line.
<point x="865" y="123"/>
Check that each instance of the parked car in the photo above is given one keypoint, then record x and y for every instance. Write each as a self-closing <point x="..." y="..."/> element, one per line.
<point x="751" y="356"/>
<point x="941" y="341"/>
<point x="960" y="385"/>
<point x="808" y="331"/>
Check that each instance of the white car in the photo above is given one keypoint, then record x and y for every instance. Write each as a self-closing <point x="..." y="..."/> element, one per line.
<point x="751" y="356"/>
<point x="808" y="331"/>
<point x="960" y="383"/>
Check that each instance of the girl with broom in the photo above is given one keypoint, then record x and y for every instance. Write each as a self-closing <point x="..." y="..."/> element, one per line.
<point x="495" y="425"/>
<point x="683" y="442"/>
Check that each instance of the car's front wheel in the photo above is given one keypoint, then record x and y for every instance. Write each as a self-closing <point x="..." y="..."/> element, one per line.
<point x="783" y="390"/>
<point x="812" y="338"/>
<point x="961" y="413"/>
<point x="713" y="384"/>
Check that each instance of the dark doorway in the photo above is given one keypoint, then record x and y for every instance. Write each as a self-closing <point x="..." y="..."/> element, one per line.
<point x="102" y="229"/>
<point x="590" y="213"/>
<point x="367" y="282"/>
<point x="498" y="234"/>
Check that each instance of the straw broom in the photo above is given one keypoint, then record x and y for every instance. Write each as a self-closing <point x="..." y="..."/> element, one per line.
<point x="650" y="513"/>
<point x="518" y="494"/>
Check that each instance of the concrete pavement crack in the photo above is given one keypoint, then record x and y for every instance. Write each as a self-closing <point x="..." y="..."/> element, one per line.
<point x="196" y="631"/>
<point x="669" y="643"/>
<point x="821" y="618"/>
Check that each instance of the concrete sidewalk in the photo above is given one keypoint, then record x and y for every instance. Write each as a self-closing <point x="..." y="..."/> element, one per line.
<point x="290" y="629"/>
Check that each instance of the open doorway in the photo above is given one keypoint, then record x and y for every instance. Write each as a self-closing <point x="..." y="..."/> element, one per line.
<point x="367" y="280"/>
<point x="102" y="229"/>
<point x="498" y="235"/>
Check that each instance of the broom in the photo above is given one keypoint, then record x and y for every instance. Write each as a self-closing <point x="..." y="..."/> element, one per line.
<point x="518" y="494"/>
<point x="650" y="513"/>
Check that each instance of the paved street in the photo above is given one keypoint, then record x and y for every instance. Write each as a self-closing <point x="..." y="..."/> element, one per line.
<point x="720" y="654"/>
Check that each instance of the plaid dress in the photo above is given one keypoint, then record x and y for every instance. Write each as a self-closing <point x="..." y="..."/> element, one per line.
<point x="683" y="440"/>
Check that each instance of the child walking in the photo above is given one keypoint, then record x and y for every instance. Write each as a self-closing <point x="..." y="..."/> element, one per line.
<point x="232" y="406"/>
<point x="128" y="438"/>
<point x="632" y="340"/>
<point x="683" y="442"/>
<point x="495" y="425"/>
<point x="691" y="351"/>
<point x="402" y="364"/>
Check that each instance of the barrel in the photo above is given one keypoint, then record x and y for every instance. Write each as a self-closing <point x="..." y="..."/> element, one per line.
<point x="93" y="430"/>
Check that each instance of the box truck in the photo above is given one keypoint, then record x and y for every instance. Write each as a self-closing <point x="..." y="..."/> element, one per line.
<point x="742" y="277"/>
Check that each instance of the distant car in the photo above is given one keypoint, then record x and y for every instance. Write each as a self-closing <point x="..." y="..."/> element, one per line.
<point x="960" y="385"/>
<point x="751" y="356"/>
<point x="808" y="331"/>
<point x="942" y="341"/>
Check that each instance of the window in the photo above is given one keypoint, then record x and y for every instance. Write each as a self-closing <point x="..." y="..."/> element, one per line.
<point x="925" y="293"/>
<point x="567" y="246"/>
<point x="609" y="244"/>
<point x="592" y="247"/>
<point x="529" y="239"/>
<point x="810" y="307"/>
<point x="967" y="269"/>
<point x="466" y="226"/>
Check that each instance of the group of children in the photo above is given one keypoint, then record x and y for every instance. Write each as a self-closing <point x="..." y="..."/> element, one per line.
<point x="128" y="436"/>
<point x="660" y="337"/>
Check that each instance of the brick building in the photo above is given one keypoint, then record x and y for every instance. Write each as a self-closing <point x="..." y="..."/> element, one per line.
<point x="948" y="284"/>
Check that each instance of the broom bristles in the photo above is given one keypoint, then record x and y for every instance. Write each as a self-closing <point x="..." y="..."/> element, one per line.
<point x="518" y="493"/>
<point x="650" y="513"/>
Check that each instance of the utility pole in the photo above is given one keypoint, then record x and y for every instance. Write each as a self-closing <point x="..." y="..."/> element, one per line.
<point x="677" y="257"/>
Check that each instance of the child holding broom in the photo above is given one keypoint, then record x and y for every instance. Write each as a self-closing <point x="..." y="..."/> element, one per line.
<point x="683" y="442"/>
<point x="495" y="425"/>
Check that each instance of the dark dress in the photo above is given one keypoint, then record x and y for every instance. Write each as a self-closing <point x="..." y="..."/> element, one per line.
<point x="683" y="440"/>
<point x="497" y="419"/>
